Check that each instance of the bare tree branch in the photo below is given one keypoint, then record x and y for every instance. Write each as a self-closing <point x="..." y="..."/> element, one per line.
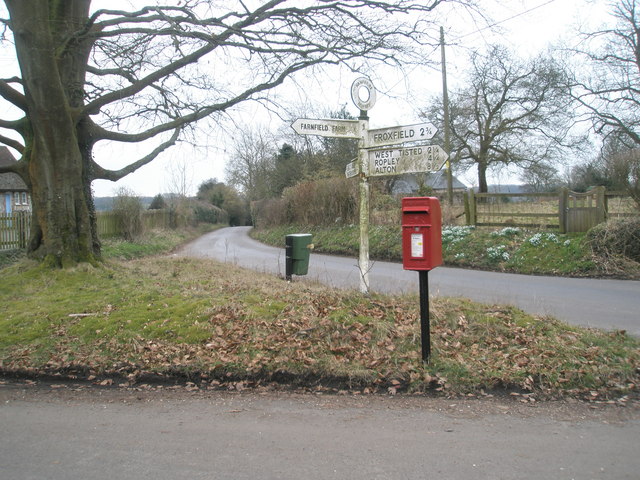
<point x="11" y="95"/>
<point x="131" y="76"/>
<point x="508" y="112"/>
<point x="606" y="78"/>
<point x="104" y="134"/>
<point x="115" y="175"/>
<point x="10" y="142"/>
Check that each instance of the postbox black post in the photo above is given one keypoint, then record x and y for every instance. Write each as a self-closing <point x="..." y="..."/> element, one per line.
<point x="288" y="262"/>
<point x="425" y="328"/>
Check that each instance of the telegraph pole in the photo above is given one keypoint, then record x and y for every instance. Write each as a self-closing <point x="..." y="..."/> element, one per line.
<point x="445" y="104"/>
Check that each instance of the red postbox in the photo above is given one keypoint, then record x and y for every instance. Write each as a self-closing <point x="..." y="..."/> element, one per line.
<point x="421" y="233"/>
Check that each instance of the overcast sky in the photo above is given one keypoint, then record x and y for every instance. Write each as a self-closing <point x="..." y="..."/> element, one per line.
<point x="528" y="26"/>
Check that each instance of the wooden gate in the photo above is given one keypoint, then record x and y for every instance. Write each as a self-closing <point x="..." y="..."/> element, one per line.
<point x="582" y="211"/>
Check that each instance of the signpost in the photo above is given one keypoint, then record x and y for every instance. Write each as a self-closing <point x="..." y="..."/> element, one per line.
<point x="372" y="160"/>
<point x="396" y="161"/>
<point x="352" y="169"/>
<point x="394" y="135"/>
<point x="335" y="128"/>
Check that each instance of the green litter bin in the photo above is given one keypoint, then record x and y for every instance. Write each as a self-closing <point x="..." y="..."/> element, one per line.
<point x="298" y="248"/>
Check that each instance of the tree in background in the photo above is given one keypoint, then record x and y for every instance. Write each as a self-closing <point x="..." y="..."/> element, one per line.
<point x="157" y="203"/>
<point x="606" y="76"/>
<point x="625" y="169"/>
<point x="287" y="169"/>
<point x="129" y="76"/>
<point x="226" y="198"/>
<point x="509" y="111"/>
<point x="334" y="154"/>
<point x="212" y="191"/>
<point x="179" y="179"/>
<point x="542" y="177"/>
<point x="616" y="167"/>
<point x="606" y="84"/>
<point x="260" y="170"/>
<point x="252" y="163"/>
<point x="587" y="175"/>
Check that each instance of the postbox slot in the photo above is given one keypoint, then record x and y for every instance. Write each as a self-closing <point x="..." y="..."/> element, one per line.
<point x="416" y="209"/>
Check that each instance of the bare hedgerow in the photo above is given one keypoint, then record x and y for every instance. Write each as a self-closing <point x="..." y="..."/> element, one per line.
<point x="269" y="212"/>
<point x="616" y="240"/>
<point x="321" y="202"/>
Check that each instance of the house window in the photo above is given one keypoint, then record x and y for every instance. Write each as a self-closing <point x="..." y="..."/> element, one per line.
<point x="16" y="198"/>
<point x="24" y="198"/>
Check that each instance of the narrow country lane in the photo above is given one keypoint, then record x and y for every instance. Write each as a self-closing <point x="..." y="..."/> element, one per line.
<point x="69" y="433"/>
<point x="608" y="304"/>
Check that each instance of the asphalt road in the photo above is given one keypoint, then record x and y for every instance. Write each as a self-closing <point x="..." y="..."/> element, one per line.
<point x="69" y="434"/>
<point x="608" y="304"/>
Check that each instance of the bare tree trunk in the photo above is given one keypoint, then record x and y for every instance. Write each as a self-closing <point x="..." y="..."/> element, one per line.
<point x="62" y="233"/>
<point x="482" y="178"/>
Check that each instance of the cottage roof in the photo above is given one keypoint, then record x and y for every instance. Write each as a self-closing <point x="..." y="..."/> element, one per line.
<point x="438" y="181"/>
<point x="10" y="181"/>
<point x="408" y="182"/>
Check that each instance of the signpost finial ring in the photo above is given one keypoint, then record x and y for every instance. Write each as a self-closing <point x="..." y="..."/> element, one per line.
<point x="367" y="101"/>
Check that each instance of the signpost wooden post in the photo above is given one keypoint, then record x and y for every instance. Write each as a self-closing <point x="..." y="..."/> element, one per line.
<point x="372" y="159"/>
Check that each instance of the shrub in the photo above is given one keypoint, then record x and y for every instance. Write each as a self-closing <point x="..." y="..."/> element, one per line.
<point x="128" y="210"/>
<point x="204" y="213"/>
<point x="321" y="202"/>
<point x="616" y="238"/>
<point x="269" y="212"/>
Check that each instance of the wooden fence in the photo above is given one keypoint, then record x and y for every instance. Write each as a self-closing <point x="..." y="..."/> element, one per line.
<point x="109" y="226"/>
<point x="538" y="210"/>
<point x="14" y="229"/>
<point x="565" y="210"/>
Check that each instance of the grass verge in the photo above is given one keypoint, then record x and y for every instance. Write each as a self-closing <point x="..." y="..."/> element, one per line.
<point x="507" y="250"/>
<point x="153" y="242"/>
<point x="208" y="322"/>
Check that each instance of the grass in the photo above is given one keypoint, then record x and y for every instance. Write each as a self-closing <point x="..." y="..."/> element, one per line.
<point x="8" y="257"/>
<point x="153" y="242"/>
<point x="205" y="321"/>
<point x="516" y="250"/>
<point x="507" y="249"/>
